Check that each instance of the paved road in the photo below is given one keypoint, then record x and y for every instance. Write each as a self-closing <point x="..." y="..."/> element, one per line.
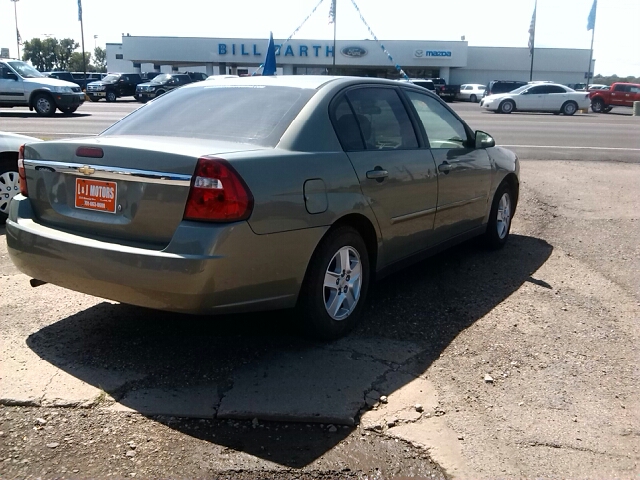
<point x="615" y="136"/>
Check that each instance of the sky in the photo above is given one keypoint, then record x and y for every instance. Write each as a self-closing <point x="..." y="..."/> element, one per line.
<point x="504" y="23"/>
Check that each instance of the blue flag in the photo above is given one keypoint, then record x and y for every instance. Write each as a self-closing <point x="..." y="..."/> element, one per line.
<point x="591" y="22"/>
<point x="270" y="61"/>
<point x="79" y="10"/>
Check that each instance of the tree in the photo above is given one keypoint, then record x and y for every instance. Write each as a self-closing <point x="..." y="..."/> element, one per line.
<point x="66" y="47"/>
<point x="100" y="56"/>
<point x="75" y="62"/>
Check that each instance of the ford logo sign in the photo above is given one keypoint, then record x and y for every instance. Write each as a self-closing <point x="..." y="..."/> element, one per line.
<point x="354" y="52"/>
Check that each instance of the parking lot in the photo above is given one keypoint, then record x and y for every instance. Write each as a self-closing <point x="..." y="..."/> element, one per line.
<point x="516" y="363"/>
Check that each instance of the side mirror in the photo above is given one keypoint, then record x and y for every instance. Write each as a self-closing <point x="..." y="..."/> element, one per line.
<point x="11" y="76"/>
<point x="484" y="140"/>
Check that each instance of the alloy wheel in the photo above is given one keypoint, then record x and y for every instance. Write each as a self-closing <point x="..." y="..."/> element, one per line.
<point x="342" y="283"/>
<point x="503" y="215"/>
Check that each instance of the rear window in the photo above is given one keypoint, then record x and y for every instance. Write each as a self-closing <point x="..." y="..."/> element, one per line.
<point x="251" y="114"/>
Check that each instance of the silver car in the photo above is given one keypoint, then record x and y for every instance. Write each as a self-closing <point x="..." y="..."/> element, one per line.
<point x="260" y="193"/>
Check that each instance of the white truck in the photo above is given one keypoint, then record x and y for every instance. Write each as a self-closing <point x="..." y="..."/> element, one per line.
<point x="21" y="85"/>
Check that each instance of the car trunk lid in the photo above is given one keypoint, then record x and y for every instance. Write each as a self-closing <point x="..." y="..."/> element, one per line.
<point x="127" y="189"/>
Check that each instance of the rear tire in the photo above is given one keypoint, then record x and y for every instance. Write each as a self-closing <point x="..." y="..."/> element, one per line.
<point x="335" y="287"/>
<point x="507" y="106"/>
<point x="473" y="98"/>
<point x="499" y="224"/>
<point x="569" y="108"/>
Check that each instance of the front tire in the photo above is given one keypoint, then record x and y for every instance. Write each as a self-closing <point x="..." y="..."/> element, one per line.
<point x="9" y="185"/>
<point x="597" y="105"/>
<point x="68" y="110"/>
<point x="111" y="96"/>
<point x="44" y="105"/>
<point x="507" y="106"/>
<point x="336" y="285"/>
<point x="499" y="224"/>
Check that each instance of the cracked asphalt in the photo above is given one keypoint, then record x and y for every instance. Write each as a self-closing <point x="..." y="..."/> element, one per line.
<point x="473" y="364"/>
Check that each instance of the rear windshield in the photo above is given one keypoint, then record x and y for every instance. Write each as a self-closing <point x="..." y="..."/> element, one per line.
<point x="251" y="114"/>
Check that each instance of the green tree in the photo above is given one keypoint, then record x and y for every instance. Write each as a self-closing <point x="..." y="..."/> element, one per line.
<point x="75" y="62"/>
<point x="100" y="56"/>
<point x="66" y="47"/>
<point x="33" y="51"/>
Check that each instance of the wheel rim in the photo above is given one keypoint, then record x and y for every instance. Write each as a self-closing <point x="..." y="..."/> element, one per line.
<point x="507" y="107"/>
<point x="570" y="108"/>
<point x="111" y="96"/>
<point x="43" y="105"/>
<point x="9" y="188"/>
<point x="597" y="105"/>
<point x="503" y="215"/>
<point x="342" y="283"/>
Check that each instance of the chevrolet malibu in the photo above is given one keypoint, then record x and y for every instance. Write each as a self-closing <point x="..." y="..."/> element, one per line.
<point x="260" y="193"/>
<point x="538" y="97"/>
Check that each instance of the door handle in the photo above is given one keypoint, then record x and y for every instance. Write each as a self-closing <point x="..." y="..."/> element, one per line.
<point x="377" y="174"/>
<point x="445" y="167"/>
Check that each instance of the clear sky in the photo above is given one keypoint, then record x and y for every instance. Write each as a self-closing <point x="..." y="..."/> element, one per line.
<point x="560" y="23"/>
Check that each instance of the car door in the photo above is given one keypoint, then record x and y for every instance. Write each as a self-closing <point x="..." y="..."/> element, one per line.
<point x="395" y="173"/>
<point x="554" y="98"/>
<point x="617" y="96"/>
<point x="532" y="99"/>
<point x="464" y="172"/>
<point x="11" y="87"/>
<point x="634" y="94"/>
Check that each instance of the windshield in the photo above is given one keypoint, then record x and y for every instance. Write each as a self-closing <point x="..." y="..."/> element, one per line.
<point x="25" y="70"/>
<point x="111" y="78"/>
<point x="161" y="78"/>
<point x="236" y="113"/>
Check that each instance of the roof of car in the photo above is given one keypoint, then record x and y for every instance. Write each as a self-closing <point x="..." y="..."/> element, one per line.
<point x="298" y="81"/>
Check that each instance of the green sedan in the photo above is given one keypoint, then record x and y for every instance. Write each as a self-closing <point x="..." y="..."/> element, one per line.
<point x="260" y="193"/>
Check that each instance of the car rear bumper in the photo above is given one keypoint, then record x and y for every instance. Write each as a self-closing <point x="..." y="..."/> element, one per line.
<point x="204" y="269"/>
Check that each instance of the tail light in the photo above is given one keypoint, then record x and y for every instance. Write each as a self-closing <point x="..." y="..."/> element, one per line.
<point x="218" y="193"/>
<point x="21" y="172"/>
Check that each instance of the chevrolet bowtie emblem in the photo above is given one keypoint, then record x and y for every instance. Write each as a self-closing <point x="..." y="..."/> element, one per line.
<point x="86" y="170"/>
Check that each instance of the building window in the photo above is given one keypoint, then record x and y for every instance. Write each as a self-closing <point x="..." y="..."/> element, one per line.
<point x="119" y="56"/>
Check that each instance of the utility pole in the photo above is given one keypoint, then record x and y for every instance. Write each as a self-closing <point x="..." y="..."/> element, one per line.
<point x="15" y="13"/>
<point x="84" y="58"/>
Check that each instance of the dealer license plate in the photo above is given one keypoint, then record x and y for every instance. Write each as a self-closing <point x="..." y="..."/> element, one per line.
<point x="96" y="195"/>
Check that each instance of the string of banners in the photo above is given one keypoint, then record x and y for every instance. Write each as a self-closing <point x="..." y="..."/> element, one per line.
<point x="331" y="20"/>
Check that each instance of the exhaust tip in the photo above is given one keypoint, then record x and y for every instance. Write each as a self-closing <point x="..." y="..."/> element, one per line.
<point x="36" y="283"/>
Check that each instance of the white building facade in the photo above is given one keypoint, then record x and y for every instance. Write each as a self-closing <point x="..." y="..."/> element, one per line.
<point x="455" y="61"/>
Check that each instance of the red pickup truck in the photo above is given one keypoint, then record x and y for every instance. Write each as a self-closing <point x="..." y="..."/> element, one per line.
<point x="619" y="95"/>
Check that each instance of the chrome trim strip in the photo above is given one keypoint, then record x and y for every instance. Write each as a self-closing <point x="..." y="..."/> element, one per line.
<point x="112" y="173"/>
<point x="411" y="216"/>
<point x="461" y="203"/>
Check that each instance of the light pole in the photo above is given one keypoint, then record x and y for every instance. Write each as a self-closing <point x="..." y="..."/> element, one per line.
<point x="15" y="13"/>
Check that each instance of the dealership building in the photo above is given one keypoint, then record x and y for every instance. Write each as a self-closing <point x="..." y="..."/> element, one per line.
<point x="455" y="61"/>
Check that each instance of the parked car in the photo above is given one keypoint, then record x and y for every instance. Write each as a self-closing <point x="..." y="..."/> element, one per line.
<point x="578" y="87"/>
<point x="421" y="82"/>
<point x="495" y="87"/>
<point x="538" y="97"/>
<point x="471" y="92"/>
<point x="447" y="92"/>
<point x="21" y="85"/>
<point x="598" y="86"/>
<point x="114" y="86"/>
<point x="79" y="78"/>
<point x="619" y="95"/>
<point x="62" y="75"/>
<point x="188" y="204"/>
<point x="163" y="83"/>
<point x="148" y="76"/>
<point x="9" y="179"/>
<point x="197" y="76"/>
